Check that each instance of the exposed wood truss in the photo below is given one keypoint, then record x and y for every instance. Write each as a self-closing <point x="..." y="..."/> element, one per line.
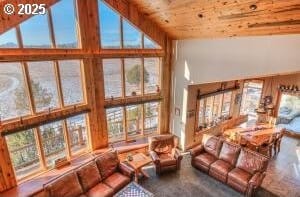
<point x="184" y="19"/>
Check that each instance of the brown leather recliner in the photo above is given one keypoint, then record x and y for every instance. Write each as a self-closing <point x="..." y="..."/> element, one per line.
<point x="164" y="153"/>
<point x="240" y="168"/>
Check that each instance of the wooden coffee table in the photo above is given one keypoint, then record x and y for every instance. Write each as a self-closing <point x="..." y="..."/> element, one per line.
<point x="139" y="160"/>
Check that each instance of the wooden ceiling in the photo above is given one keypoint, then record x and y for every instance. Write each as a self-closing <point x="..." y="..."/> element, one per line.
<point x="183" y="19"/>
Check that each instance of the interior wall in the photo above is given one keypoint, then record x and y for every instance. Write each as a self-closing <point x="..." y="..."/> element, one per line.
<point x="204" y="61"/>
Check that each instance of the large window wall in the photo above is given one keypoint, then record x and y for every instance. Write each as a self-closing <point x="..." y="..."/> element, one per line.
<point x="31" y="88"/>
<point x="34" y="87"/>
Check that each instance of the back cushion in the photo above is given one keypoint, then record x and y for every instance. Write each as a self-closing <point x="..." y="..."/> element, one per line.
<point x="66" y="186"/>
<point x="89" y="176"/>
<point x="251" y="161"/>
<point x="108" y="163"/>
<point x="229" y="152"/>
<point x="212" y="145"/>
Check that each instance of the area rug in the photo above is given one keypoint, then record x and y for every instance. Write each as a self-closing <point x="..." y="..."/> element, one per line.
<point x="133" y="190"/>
<point x="189" y="182"/>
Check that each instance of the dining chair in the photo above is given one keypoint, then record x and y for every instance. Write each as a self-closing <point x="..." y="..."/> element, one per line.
<point x="278" y="142"/>
<point x="267" y="147"/>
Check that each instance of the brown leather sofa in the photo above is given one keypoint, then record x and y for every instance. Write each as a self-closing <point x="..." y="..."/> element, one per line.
<point x="102" y="177"/>
<point x="164" y="153"/>
<point x="241" y="168"/>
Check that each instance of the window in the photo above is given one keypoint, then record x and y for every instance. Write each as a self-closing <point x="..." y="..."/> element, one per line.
<point x="27" y="155"/>
<point x="64" y="24"/>
<point x="35" y="32"/>
<point x="111" y="23"/>
<point x="9" y="39"/>
<point x="151" y="75"/>
<point x="23" y="153"/>
<point x="71" y="81"/>
<point x="213" y="109"/>
<point x="133" y="76"/>
<point x="77" y="131"/>
<point x="43" y="85"/>
<point x="13" y="95"/>
<point x="110" y="32"/>
<point x="112" y="78"/>
<point x="251" y="98"/>
<point x="149" y="44"/>
<point x="132" y="38"/>
<point x="226" y="104"/>
<point x="289" y="106"/>
<point x="132" y="121"/>
<point x="53" y="142"/>
<point x="151" y="111"/>
<point x="114" y="117"/>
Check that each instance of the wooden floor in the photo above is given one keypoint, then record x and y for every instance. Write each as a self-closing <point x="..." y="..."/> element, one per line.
<point x="283" y="175"/>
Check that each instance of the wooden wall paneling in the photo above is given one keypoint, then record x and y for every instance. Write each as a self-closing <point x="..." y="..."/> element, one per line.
<point x="10" y="21"/>
<point x="7" y="177"/>
<point x="129" y="11"/>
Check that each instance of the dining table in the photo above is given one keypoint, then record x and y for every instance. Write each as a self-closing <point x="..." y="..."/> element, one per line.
<point x="256" y="135"/>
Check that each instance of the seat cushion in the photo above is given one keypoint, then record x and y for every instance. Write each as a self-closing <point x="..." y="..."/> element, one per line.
<point x="238" y="179"/>
<point x="117" y="181"/>
<point x="61" y="186"/>
<point x="220" y="169"/>
<point x="100" y="190"/>
<point x="229" y="152"/>
<point x="212" y="145"/>
<point x="251" y="161"/>
<point x="167" y="160"/>
<point x="108" y="164"/>
<point x="204" y="161"/>
<point x="89" y="176"/>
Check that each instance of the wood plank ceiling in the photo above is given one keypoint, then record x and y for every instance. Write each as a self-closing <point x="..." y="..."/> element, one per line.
<point x="183" y="19"/>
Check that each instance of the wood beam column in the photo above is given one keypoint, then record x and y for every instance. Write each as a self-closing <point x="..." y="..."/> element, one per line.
<point x="166" y="73"/>
<point x="93" y="72"/>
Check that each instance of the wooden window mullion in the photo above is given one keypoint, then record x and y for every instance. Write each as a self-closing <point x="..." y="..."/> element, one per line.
<point x="51" y="29"/>
<point x="143" y="119"/>
<point x="142" y="77"/>
<point x="42" y="156"/>
<point x="19" y="36"/>
<point x="58" y="84"/>
<point x="123" y="78"/>
<point x="67" y="139"/>
<point x="121" y="32"/>
<point x="125" y="122"/>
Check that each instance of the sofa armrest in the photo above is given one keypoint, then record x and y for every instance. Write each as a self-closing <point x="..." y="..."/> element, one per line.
<point x="255" y="182"/>
<point x="154" y="157"/>
<point x="177" y="154"/>
<point x="126" y="170"/>
<point x="196" y="150"/>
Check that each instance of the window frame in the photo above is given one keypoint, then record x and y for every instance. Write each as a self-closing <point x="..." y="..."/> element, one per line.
<point x="220" y="111"/>
<point x="261" y="95"/>
<point x="142" y="127"/>
<point x="40" y="149"/>
<point x="123" y="78"/>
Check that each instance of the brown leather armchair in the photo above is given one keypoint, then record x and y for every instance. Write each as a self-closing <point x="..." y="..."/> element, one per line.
<point x="164" y="153"/>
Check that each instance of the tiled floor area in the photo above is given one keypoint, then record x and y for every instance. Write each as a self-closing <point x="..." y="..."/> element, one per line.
<point x="283" y="177"/>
